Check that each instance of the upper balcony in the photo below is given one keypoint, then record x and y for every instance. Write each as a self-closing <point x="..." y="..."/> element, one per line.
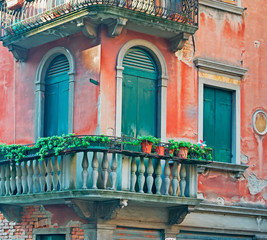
<point x="98" y="174"/>
<point x="30" y="23"/>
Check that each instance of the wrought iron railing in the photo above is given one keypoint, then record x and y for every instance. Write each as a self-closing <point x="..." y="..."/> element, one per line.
<point x="39" y="12"/>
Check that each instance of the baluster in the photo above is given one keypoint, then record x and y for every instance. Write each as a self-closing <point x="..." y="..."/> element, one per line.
<point x="133" y="174"/>
<point x="175" y="178"/>
<point x="95" y="170"/>
<point x="61" y="174"/>
<point x="49" y="174"/>
<point x="113" y="174"/>
<point x="141" y="177"/>
<point x="55" y="173"/>
<point x="183" y="182"/>
<point x="13" y="179"/>
<point x="43" y="172"/>
<point x="2" y="176"/>
<point x="24" y="177"/>
<point x="85" y="165"/>
<point x="36" y="175"/>
<point x="104" y="172"/>
<point x="30" y="177"/>
<point x="149" y="178"/>
<point x="18" y="179"/>
<point x="167" y="181"/>
<point x="7" y="178"/>
<point x="158" y="180"/>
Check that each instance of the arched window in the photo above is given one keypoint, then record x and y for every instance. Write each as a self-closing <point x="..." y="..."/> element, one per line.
<point x="139" y="94"/>
<point x="56" y="97"/>
<point x="54" y="89"/>
<point x="142" y="68"/>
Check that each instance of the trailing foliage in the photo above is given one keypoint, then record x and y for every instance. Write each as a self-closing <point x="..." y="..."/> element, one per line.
<point x="57" y="144"/>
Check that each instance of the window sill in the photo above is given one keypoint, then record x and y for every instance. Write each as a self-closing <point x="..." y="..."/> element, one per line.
<point x="237" y="169"/>
<point x="227" y="7"/>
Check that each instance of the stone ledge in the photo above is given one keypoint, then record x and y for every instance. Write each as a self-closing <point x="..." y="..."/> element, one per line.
<point x="237" y="169"/>
<point x="214" y="66"/>
<point x="237" y="210"/>
<point x="222" y="6"/>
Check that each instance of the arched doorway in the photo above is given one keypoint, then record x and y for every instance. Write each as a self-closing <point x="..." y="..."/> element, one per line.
<point x="56" y="97"/>
<point x="139" y="94"/>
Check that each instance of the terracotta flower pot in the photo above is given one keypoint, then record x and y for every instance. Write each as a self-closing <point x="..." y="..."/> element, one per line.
<point x="160" y="150"/>
<point x="146" y="146"/>
<point x="14" y="4"/>
<point x="183" y="152"/>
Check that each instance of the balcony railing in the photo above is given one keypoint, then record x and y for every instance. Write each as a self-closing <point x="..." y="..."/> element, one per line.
<point x="36" y="13"/>
<point x="111" y="167"/>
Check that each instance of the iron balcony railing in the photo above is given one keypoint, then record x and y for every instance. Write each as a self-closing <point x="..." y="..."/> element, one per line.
<point x="36" y="13"/>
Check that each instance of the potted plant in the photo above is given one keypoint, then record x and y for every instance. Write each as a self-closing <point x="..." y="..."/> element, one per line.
<point x="131" y="144"/>
<point x="183" y="146"/>
<point x="159" y="147"/>
<point x="173" y="147"/>
<point x="146" y="143"/>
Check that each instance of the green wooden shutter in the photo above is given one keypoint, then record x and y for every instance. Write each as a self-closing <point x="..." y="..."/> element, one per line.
<point x="139" y="94"/>
<point x="56" y="97"/>
<point x="217" y="122"/>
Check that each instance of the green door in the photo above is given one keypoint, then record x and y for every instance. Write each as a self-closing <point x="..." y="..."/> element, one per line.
<point x="139" y="94"/>
<point x="217" y="122"/>
<point x="52" y="237"/>
<point x="56" y="97"/>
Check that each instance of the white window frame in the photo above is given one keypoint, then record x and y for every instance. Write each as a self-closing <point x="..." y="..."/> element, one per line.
<point x="236" y="73"/>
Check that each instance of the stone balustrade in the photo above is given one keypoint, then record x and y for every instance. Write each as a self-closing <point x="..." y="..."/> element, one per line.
<point x="112" y="170"/>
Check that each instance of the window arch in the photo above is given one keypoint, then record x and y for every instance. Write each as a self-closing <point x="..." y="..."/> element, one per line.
<point x="40" y="85"/>
<point x="161" y="84"/>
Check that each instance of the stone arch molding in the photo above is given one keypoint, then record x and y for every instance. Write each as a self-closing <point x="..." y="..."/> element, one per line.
<point x="40" y="88"/>
<point x="162" y="83"/>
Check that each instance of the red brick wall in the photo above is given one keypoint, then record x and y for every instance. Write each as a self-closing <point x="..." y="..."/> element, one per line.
<point x="34" y="217"/>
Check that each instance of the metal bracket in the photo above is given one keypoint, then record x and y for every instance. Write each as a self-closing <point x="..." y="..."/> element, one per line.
<point x="11" y="213"/>
<point x="116" y="26"/>
<point x="178" y="214"/>
<point x="19" y="53"/>
<point x="178" y="41"/>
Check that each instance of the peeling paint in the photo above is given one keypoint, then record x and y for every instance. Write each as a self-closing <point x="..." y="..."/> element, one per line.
<point x="256" y="185"/>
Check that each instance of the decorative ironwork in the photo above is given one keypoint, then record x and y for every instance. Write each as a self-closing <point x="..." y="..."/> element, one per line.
<point x="39" y="12"/>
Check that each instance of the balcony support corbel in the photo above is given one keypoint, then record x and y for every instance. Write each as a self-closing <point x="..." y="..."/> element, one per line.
<point x="109" y="209"/>
<point x="178" y="214"/>
<point x="11" y="213"/>
<point x="88" y="28"/>
<point x="116" y="26"/>
<point x="178" y="41"/>
<point x="19" y="53"/>
<point x="84" y="209"/>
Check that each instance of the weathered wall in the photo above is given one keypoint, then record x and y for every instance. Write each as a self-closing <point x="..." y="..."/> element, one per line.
<point x="239" y="40"/>
<point x="6" y="96"/>
<point x="224" y="37"/>
<point x="38" y="217"/>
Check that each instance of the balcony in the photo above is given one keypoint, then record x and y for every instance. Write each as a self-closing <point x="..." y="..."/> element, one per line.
<point x="99" y="175"/>
<point x="41" y="21"/>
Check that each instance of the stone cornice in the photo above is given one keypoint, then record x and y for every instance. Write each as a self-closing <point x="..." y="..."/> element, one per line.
<point x="237" y="169"/>
<point x="222" y="6"/>
<point x="214" y="66"/>
<point x="236" y="210"/>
